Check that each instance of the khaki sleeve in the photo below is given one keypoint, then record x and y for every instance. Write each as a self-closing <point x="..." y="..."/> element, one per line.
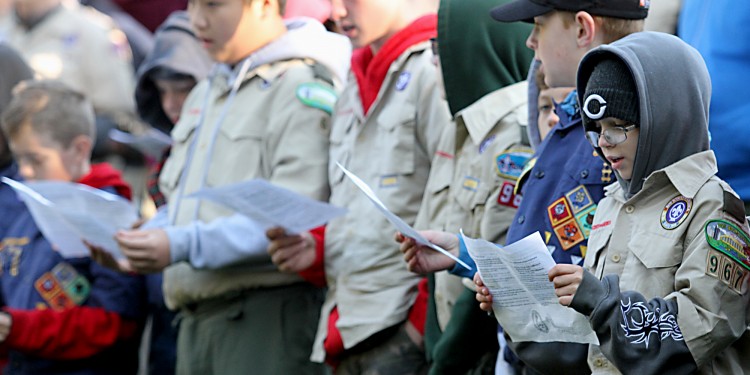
<point x="711" y="289"/>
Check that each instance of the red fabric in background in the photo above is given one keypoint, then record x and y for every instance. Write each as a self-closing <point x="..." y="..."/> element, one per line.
<point x="370" y="70"/>
<point x="151" y="13"/>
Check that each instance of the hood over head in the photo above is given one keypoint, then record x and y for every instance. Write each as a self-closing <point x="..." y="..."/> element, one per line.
<point x="479" y="55"/>
<point x="177" y="50"/>
<point x="673" y="95"/>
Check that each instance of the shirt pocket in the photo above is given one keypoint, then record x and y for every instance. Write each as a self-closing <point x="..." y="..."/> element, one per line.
<point x="396" y="140"/>
<point x="182" y="136"/>
<point x="597" y="242"/>
<point x="342" y="124"/>
<point x="471" y="197"/>
<point x="654" y="264"/>
<point x="238" y="151"/>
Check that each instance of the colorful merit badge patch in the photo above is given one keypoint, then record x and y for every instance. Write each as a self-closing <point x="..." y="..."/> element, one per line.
<point x="571" y="217"/>
<point x="510" y="163"/>
<point x="63" y="287"/>
<point x="728" y="260"/>
<point x="316" y="95"/>
<point x="675" y="212"/>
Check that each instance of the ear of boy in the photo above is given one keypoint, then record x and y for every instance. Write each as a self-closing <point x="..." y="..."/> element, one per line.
<point x="80" y="161"/>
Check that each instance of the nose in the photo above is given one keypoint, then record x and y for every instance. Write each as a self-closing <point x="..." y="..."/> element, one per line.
<point x="171" y="105"/>
<point x="531" y="41"/>
<point x="552" y="119"/>
<point x="338" y="11"/>
<point x="197" y="21"/>
<point x="603" y="142"/>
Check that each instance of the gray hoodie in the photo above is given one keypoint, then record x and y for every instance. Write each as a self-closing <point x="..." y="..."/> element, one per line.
<point x="674" y="90"/>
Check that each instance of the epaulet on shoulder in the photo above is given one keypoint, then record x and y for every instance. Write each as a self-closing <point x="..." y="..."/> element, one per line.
<point x="733" y="206"/>
<point x="320" y="71"/>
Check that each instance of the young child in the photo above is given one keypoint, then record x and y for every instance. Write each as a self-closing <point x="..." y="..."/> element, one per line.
<point x="386" y="127"/>
<point x="264" y="112"/>
<point x="548" y="100"/>
<point x="665" y="283"/>
<point x="62" y="315"/>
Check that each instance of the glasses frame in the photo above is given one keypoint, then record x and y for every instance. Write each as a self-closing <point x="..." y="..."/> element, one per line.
<point x="594" y="136"/>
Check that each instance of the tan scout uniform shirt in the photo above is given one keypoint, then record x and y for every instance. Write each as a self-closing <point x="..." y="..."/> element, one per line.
<point x="267" y="133"/>
<point x="466" y="190"/>
<point x="390" y="150"/>
<point x="632" y="239"/>
<point x="88" y="56"/>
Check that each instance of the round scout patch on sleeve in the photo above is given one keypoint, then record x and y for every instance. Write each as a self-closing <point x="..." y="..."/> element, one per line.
<point x="317" y="95"/>
<point x="675" y="212"/>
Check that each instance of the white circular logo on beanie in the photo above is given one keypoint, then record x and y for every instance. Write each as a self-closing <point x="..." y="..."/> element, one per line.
<point x="601" y="104"/>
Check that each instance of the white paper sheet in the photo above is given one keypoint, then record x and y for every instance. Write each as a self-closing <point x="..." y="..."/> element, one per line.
<point x="152" y="143"/>
<point x="400" y="225"/>
<point x="67" y="212"/>
<point x="523" y="298"/>
<point x="269" y="205"/>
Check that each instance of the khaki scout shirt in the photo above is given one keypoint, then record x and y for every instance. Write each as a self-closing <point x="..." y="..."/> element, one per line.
<point x="466" y="189"/>
<point x="390" y="150"/>
<point x="659" y="249"/>
<point x="267" y="133"/>
<point x="91" y="57"/>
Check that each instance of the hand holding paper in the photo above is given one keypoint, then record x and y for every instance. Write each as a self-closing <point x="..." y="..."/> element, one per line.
<point x="523" y="298"/>
<point x="400" y="225"/>
<point x="423" y="259"/>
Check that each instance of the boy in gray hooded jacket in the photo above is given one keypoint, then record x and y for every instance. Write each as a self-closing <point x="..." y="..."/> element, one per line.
<point x="665" y="280"/>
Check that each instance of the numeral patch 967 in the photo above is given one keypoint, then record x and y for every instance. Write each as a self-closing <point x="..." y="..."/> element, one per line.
<point x="727" y="270"/>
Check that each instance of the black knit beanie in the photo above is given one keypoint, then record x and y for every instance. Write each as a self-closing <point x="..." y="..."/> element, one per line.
<point x="610" y="92"/>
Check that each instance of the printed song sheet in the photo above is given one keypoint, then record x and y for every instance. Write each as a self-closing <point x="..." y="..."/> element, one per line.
<point x="523" y="298"/>
<point x="400" y="225"/>
<point x="67" y="212"/>
<point x="152" y="143"/>
<point x="269" y="205"/>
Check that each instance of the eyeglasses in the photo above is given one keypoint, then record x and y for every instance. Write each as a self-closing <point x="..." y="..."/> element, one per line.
<point x="434" y="46"/>
<point x="614" y="135"/>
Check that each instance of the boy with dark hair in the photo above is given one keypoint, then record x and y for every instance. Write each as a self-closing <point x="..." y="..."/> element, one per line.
<point x="68" y="315"/>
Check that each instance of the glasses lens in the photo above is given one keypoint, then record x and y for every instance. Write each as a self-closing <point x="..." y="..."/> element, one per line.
<point x="593" y="138"/>
<point x="615" y="136"/>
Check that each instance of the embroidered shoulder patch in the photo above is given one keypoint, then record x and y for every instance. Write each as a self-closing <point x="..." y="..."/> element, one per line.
<point x="675" y="212"/>
<point x="729" y="239"/>
<point x="316" y="95"/>
<point x="510" y="164"/>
